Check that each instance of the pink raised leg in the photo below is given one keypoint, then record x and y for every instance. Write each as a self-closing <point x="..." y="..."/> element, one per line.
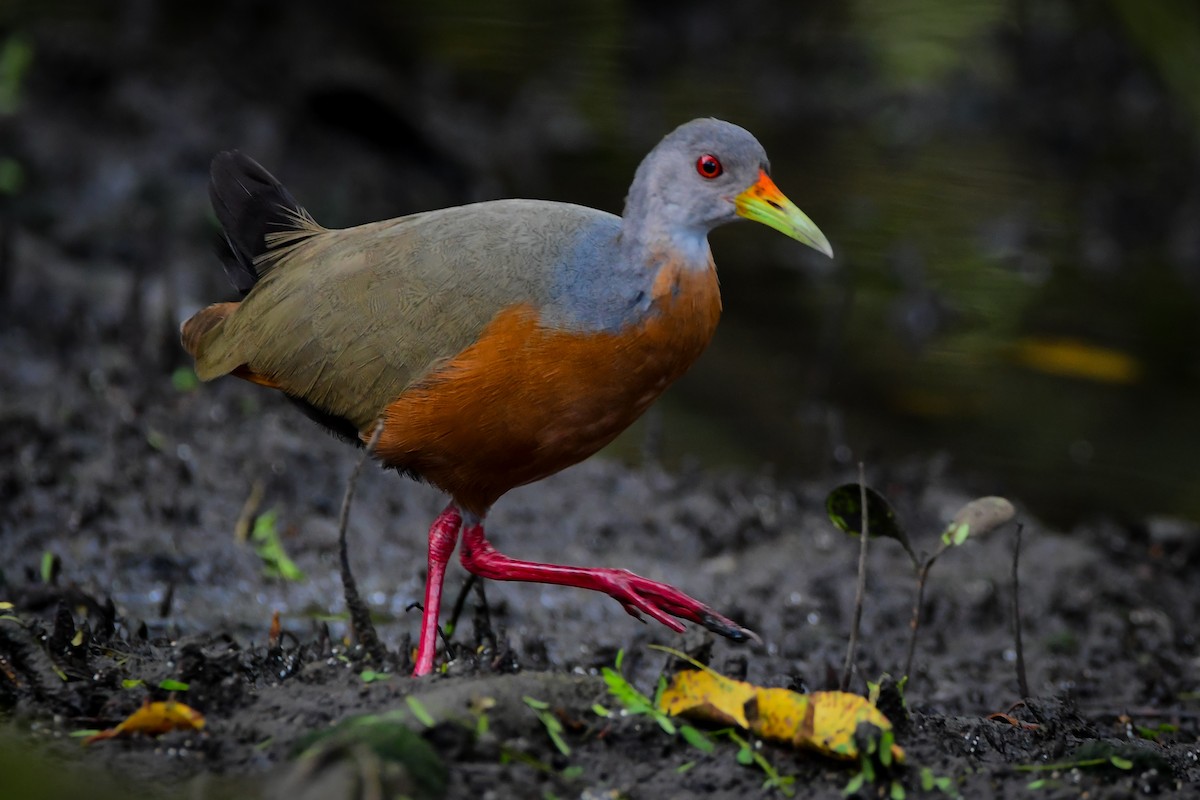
<point x="443" y="535"/>
<point x="637" y="594"/>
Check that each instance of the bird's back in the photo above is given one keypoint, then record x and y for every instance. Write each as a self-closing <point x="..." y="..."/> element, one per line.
<point x="349" y="319"/>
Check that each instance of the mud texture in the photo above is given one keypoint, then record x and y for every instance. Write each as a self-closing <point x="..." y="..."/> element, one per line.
<point x="136" y="486"/>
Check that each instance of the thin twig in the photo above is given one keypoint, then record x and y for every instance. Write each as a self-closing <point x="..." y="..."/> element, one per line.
<point x="914" y="624"/>
<point x="245" y="520"/>
<point x="861" y="591"/>
<point x="484" y="634"/>
<point x="360" y="615"/>
<point x="1022" y="680"/>
<point x="459" y="602"/>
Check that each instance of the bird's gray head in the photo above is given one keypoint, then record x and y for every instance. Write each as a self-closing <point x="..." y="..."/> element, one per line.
<point x="689" y="181"/>
<point x="703" y="174"/>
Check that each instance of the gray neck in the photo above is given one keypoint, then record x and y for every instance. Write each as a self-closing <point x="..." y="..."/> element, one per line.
<point x="647" y="238"/>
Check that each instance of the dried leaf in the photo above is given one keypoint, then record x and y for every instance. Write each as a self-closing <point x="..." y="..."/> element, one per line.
<point x="836" y="717"/>
<point x="1074" y="358"/>
<point x="781" y="714"/>
<point x="707" y="695"/>
<point x="822" y="721"/>
<point x="154" y="719"/>
<point x="977" y="518"/>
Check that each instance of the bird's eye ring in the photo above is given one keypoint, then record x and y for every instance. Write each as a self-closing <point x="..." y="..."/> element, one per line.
<point x="708" y="166"/>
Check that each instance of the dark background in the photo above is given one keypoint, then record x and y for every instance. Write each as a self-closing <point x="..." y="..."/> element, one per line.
<point x="1010" y="187"/>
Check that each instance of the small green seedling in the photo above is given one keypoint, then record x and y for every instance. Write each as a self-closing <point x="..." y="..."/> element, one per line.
<point x="977" y="518"/>
<point x="157" y="440"/>
<point x="634" y="703"/>
<point x="419" y="711"/>
<point x="875" y="764"/>
<point x="373" y="676"/>
<point x="172" y="685"/>
<point x="748" y="755"/>
<point x="1101" y="755"/>
<point x="554" y="729"/>
<point x="1157" y="731"/>
<point x="552" y="724"/>
<point x="941" y="783"/>
<point x="83" y="733"/>
<point x="50" y="566"/>
<point x="267" y="544"/>
<point x="184" y="379"/>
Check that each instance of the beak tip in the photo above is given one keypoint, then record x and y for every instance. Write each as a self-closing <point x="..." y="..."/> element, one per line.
<point x="819" y="243"/>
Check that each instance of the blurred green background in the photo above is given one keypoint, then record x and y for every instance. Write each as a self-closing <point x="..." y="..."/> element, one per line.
<point x="1011" y="189"/>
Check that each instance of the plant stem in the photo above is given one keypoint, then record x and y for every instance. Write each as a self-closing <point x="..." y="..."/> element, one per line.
<point x="861" y="590"/>
<point x="1022" y="680"/>
<point x="360" y="616"/>
<point x="451" y="626"/>
<point x="914" y="623"/>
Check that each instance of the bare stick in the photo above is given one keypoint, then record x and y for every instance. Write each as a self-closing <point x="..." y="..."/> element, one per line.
<point x="459" y="602"/>
<point x="360" y="615"/>
<point x="914" y="623"/>
<point x="245" y="520"/>
<point x="1022" y="680"/>
<point x="861" y="591"/>
<point x="483" y="619"/>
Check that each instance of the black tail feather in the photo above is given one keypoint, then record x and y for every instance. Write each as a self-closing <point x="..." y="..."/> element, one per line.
<point x="249" y="203"/>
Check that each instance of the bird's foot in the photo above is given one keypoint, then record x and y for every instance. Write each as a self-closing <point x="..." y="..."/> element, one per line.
<point x="637" y="595"/>
<point x="640" y="595"/>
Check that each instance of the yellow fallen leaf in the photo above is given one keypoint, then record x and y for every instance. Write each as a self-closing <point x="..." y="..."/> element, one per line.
<point x="821" y="721"/>
<point x="154" y="719"/>
<point x="707" y="695"/>
<point x="836" y="717"/>
<point x="1074" y="358"/>
<point x="782" y="715"/>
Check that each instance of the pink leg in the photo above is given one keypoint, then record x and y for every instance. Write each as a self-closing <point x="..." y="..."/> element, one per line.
<point x="443" y="535"/>
<point x="637" y="594"/>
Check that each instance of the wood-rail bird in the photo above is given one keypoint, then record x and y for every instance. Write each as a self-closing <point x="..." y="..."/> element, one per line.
<point x="495" y="343"/>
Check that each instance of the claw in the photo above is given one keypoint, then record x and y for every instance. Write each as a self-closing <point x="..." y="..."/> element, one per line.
<point x="729" y="629"/>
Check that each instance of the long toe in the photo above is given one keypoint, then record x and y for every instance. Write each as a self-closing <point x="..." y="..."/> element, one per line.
<point x="662" y="601"/>
<point x="728" y="628"/>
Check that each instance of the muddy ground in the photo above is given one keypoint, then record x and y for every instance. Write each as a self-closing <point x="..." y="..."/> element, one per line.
<point x="134" y="484"/>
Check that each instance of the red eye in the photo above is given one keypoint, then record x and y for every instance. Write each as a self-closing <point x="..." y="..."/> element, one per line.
<point x="708" y="166"/>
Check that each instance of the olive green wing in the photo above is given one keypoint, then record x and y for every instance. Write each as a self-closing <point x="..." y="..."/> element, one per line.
<point x="347" y="320"/>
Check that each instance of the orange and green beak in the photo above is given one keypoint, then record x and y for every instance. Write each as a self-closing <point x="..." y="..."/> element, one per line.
<point x="763" y="202"/>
